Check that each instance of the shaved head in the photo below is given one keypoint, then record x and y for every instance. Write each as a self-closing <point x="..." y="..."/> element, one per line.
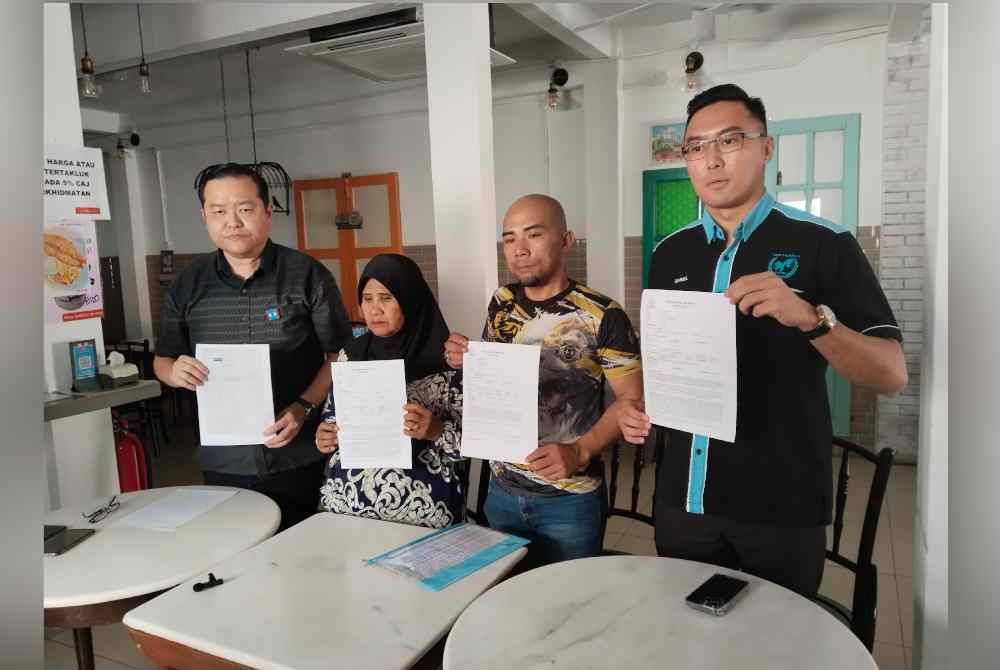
<point x="549" y="208"/>
<point x="536" y="240"/>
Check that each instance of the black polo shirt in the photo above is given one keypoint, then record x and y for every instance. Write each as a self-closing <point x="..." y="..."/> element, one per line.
<point x="290" y="303"/>
<point x="778" y="472"/>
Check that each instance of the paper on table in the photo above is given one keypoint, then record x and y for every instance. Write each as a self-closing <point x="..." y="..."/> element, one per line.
<point x="369" y="398"/>
<point x="235" y="404"/>
<point x="447" y="555"/>
<point x="500" y="401"/>
<point x="175" y="509"/>
<point x="689" y="361"/>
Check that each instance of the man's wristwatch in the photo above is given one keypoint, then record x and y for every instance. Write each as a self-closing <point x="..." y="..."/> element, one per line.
<point x="827" y="320"/>
<point x="308" y="406"/>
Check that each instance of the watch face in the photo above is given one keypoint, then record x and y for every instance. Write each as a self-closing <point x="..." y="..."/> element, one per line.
<point x="827" y="315"/>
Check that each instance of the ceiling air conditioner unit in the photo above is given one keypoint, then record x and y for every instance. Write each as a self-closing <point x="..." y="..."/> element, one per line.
<point x="384" y="47"/>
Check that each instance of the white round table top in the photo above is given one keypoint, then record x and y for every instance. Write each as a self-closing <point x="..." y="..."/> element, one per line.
<point x="629" y="612"/>
<point x="120" y="561"/>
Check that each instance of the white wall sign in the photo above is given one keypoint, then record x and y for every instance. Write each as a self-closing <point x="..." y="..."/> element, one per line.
<point x="73" y="184"/>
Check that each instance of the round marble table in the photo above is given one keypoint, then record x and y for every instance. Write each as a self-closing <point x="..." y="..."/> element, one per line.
<point x="629" y="612"/>
<point x="120" y="567"/>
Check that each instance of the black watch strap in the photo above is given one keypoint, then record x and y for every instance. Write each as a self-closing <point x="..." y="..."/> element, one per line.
<point x="822" y="329"/>
<point x="309" y="407"/>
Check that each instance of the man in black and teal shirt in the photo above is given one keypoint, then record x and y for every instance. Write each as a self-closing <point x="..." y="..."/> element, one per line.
<point x="807" y="298"/>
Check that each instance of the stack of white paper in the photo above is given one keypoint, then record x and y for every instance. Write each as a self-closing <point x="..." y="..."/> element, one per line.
<point x="175" y="509"/>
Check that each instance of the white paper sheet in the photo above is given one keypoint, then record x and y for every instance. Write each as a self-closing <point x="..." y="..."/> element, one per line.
<point x="175" y="509"/>
<point x="500" y="401"/>
<point x="368" y="397"/>
<point x="689" y="361"/>
<point x="235" y="404"/>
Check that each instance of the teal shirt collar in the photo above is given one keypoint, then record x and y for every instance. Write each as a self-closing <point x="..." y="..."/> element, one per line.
<point x="752" y="221"/>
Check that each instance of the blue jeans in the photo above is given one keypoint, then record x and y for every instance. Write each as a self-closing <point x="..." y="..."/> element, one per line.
<point x="559" y="527"/>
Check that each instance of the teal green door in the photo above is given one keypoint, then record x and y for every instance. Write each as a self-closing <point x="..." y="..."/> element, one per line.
<point x="668" y="203"/>
<point x="815" y="168"/>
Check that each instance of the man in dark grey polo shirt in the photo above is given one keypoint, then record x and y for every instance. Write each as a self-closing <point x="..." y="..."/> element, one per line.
<point x="253" y="291"/>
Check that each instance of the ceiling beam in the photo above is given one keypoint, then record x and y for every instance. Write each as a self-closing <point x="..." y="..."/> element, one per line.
<point x="563" y="19"/>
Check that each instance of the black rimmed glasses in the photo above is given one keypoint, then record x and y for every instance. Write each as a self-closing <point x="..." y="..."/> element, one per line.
<point x="102" y="513"/>
<point x="727" y="142"/>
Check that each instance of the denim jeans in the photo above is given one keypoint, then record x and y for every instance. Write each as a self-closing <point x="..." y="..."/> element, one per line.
<point x="559" y="527"/>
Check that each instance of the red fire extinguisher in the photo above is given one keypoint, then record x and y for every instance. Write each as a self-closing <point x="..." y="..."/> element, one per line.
<point x="131" y="457"/>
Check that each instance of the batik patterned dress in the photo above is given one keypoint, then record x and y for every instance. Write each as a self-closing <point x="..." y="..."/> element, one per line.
<point x="428" y="494"/>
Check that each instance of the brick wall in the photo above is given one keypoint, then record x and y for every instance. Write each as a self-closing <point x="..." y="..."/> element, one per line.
<point x="902" y="251"/>
<point x="425" y="256"/>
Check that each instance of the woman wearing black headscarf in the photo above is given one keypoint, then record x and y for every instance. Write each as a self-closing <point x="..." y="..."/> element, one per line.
<point x="404" y="322"/>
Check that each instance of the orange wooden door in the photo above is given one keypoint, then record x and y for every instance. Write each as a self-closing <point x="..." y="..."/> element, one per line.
<point x="324" y="210"/>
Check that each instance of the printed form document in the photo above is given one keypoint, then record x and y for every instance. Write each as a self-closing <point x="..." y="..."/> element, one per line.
<point x="235" y="405"/>
<point x="369" y="398"/>
<point x="500" y="401"/>
<point x="689" y="361"/>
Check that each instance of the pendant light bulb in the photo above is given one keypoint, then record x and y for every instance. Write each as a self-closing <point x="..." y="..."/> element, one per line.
<point x="144" y="78"/>
<point x="88" y="84"/>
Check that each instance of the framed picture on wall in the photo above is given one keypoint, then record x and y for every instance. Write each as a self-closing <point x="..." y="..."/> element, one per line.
<point x="665" y="144"/>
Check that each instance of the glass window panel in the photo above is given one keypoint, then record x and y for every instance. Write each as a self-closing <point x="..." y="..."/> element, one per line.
<point x="795" y="199"/>
<point x="792" y="159"/>
<point x="829" y="156"/>
<point x="319" y="209"/>
<point x="373" y="204"/>
<point x="826" y="202"/>
<point x="333" y="265"/>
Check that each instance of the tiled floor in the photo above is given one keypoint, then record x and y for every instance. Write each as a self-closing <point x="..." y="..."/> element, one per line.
<point x="893" y="555"/>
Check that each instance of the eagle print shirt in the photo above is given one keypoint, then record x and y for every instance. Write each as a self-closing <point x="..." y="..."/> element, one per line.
<point x="585" y="338"/>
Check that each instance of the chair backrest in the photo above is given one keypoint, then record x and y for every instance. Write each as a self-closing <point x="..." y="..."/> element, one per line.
<point x="464" y="468"/>
<point x="657" y="438"/>
<point x="864" y="602"/>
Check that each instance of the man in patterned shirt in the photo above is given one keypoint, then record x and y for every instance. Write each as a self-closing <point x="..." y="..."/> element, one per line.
<point x="557" y="499"/>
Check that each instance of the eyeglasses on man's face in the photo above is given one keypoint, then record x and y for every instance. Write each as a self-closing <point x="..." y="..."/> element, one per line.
<point x="727" y="142"/>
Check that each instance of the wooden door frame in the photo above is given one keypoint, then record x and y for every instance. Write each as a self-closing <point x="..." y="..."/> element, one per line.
<point x="347" y="252"/>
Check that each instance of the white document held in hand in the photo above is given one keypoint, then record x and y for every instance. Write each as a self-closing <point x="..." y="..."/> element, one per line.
<point x="689" y="361"/>
<point x="235" y="405"/>
<point x="500" y="401"/>
<point x="368" y="397"/>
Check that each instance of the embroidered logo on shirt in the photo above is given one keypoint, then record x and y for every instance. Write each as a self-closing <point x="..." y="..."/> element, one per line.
<point x="273" y="314"/>
<point x="784" y="265"/>
<point x="680" y="280"/>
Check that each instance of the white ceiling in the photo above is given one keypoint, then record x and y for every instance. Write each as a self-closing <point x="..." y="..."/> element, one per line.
<point x="194" y="79"/>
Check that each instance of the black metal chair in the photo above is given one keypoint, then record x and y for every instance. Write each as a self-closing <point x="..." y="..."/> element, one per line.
<point x="657" y="439"/>
<point x="861" y="616"/>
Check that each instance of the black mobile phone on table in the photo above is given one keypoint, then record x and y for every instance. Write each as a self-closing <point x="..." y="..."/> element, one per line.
<point x="65" y="540"/>
<point x="717" y="594"/>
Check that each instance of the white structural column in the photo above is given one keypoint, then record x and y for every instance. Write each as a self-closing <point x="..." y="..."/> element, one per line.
<point x="930" y="583"/>
<point x="79" y="451"/>
<point x="605" y="233"/>
<point x="460" y="110"/>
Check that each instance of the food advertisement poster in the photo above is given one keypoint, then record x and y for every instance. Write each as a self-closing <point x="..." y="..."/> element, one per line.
<point x="72" y="274"/>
